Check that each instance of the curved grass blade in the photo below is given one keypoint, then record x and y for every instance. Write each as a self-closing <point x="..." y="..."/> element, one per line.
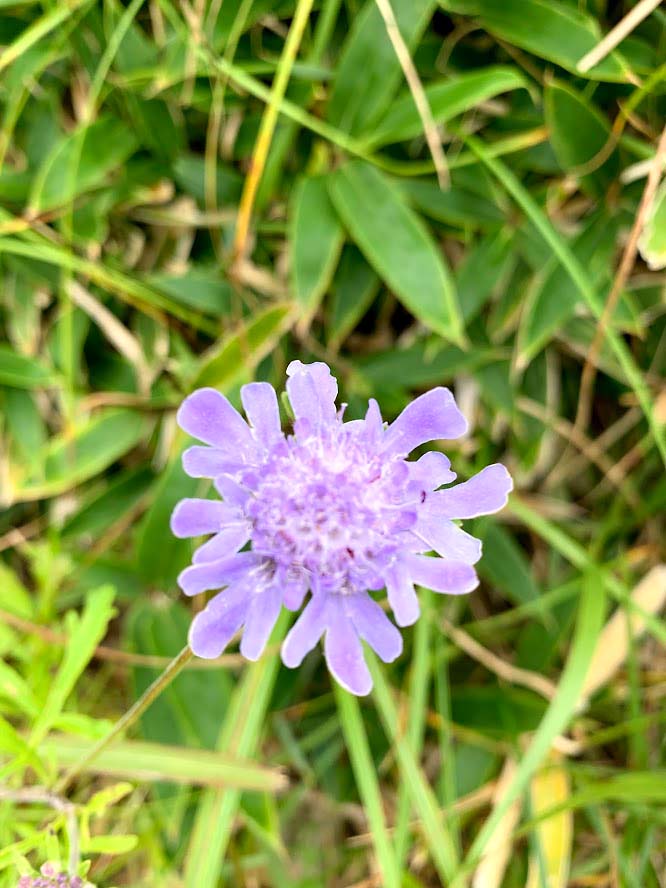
<point x="365" y="773"/>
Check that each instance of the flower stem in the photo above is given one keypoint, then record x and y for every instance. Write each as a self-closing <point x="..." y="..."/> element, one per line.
<point x="128" y="719"/>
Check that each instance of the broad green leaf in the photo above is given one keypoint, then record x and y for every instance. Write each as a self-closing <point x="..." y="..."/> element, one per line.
<point x="398" y="245"/>
<point x="457" y="206"/>
<point x="20" y="371"/>
<point x="141" y="761"/>
<point x="653" y="239"/>
<point x="81" y="161"/>
<point x="119" y="496"/>
<point x="189" y="171"/>
<point x="71" y="458"/>
<point x="159" y="563"/>
<point x="368" y="72"/>
<point x="551" y="29"/>
<point x="354" y="287"/>
<point x="447" y="99"/>
<point x="85" y="633"/>
<point x="580" y="137"/>
<point x="190" y="710"/>
<point x="484" y="270"/>
<point x="234" y="359"/>
<point x="26" y="427"/>
<point x="553" y="301"/>
<point x="505" y="566"/>
<point x="200" y="288"/>
<point x="316" y="240"/>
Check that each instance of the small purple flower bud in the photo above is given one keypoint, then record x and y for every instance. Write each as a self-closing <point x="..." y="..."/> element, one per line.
<point x="335" y="508"/>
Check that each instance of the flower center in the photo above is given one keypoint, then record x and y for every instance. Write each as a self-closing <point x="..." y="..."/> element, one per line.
<point x="329" y="507"/>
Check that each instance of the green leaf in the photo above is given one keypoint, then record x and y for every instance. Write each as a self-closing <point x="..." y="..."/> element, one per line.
<point x="652" y="243"/>
<point x="81" y="161"/>
<point x="200" y="288"/>
<point x="14" y="597"/>
<point x="553" y="301"/>
<point x="71" y="458"/>
<point x="356" y="102"/>
<point x="150" y="762"/>
<point x="234" y="359"/>
<point x="551" y="29"/>
<point x="484" y="271"/>
<point x="504" y="565"/>
<point x="580" y="137"/>
<point x="191" y="709"/>
<point x="316" y="240"/>
<point x="447" y="99"/>
<point x="457" y="206"/>
<point x="157" y="563"/>
<point x="110" y="844"/>
<point x="398" y="245"/>
<point x="119" y="496"/>
<point x="354" y="287"/>
<point x="85" y="633"/>
<point x="20" y="371"/>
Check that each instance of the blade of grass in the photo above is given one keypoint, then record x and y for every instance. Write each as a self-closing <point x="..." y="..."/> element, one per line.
<point x="242" y="728"/>
<point x="156" y="761"/>
<point x="267" y="126"/>
<point x="579" y="277"/>
<point x="417" y="708"/>
<point x="128" y="289"/>
<point x="421" y="793"/>
<point x="365" y="773"/>
<point x="555" y="720"/>
<point x="576" y="555"/>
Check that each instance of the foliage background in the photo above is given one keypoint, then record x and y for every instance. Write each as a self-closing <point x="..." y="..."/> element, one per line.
<point x="128" y="135"/>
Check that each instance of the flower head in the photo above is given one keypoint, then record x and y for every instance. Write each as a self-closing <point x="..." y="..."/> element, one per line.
<point x="334" y="509"/>
<point x="51" y="877"/>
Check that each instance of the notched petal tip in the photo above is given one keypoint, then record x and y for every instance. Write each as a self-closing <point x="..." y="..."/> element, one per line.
<point x="432" y="416"/>
<point x="207" y="415"/>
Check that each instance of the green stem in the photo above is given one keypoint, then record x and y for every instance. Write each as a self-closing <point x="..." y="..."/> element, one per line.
<point x="130" y="717"/>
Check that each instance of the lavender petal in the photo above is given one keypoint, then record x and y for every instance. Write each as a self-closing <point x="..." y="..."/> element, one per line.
<point x="224" y="544"/>
<point x="401" y="594"/>
<point x="215" y="574"/>
<point x="196" y="517"/>
<point x="430" y="417"/>
<point x="263" y="611"/>
<point x="374" y="627"/>
<point x="261" y="406"/>
<point x="344" y="656"/>
<point x="441" y="575"/>
<point x="213" y="628"/>
<point x="306" y="632"/>
<point x="207" y="415"/>
<point x="483" y="494"/>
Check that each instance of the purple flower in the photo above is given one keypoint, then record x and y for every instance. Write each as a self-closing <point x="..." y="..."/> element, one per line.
<point x="52" y="877"/>
<point x="334" y="509"/>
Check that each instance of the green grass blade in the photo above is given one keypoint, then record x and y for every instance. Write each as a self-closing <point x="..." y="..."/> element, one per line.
<point x="239" y="736"/>
<point x="580" y="279"/>
<point x="365" y="773"/>
<point x="422" y="796"/>
<point x="556" y="718"/>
